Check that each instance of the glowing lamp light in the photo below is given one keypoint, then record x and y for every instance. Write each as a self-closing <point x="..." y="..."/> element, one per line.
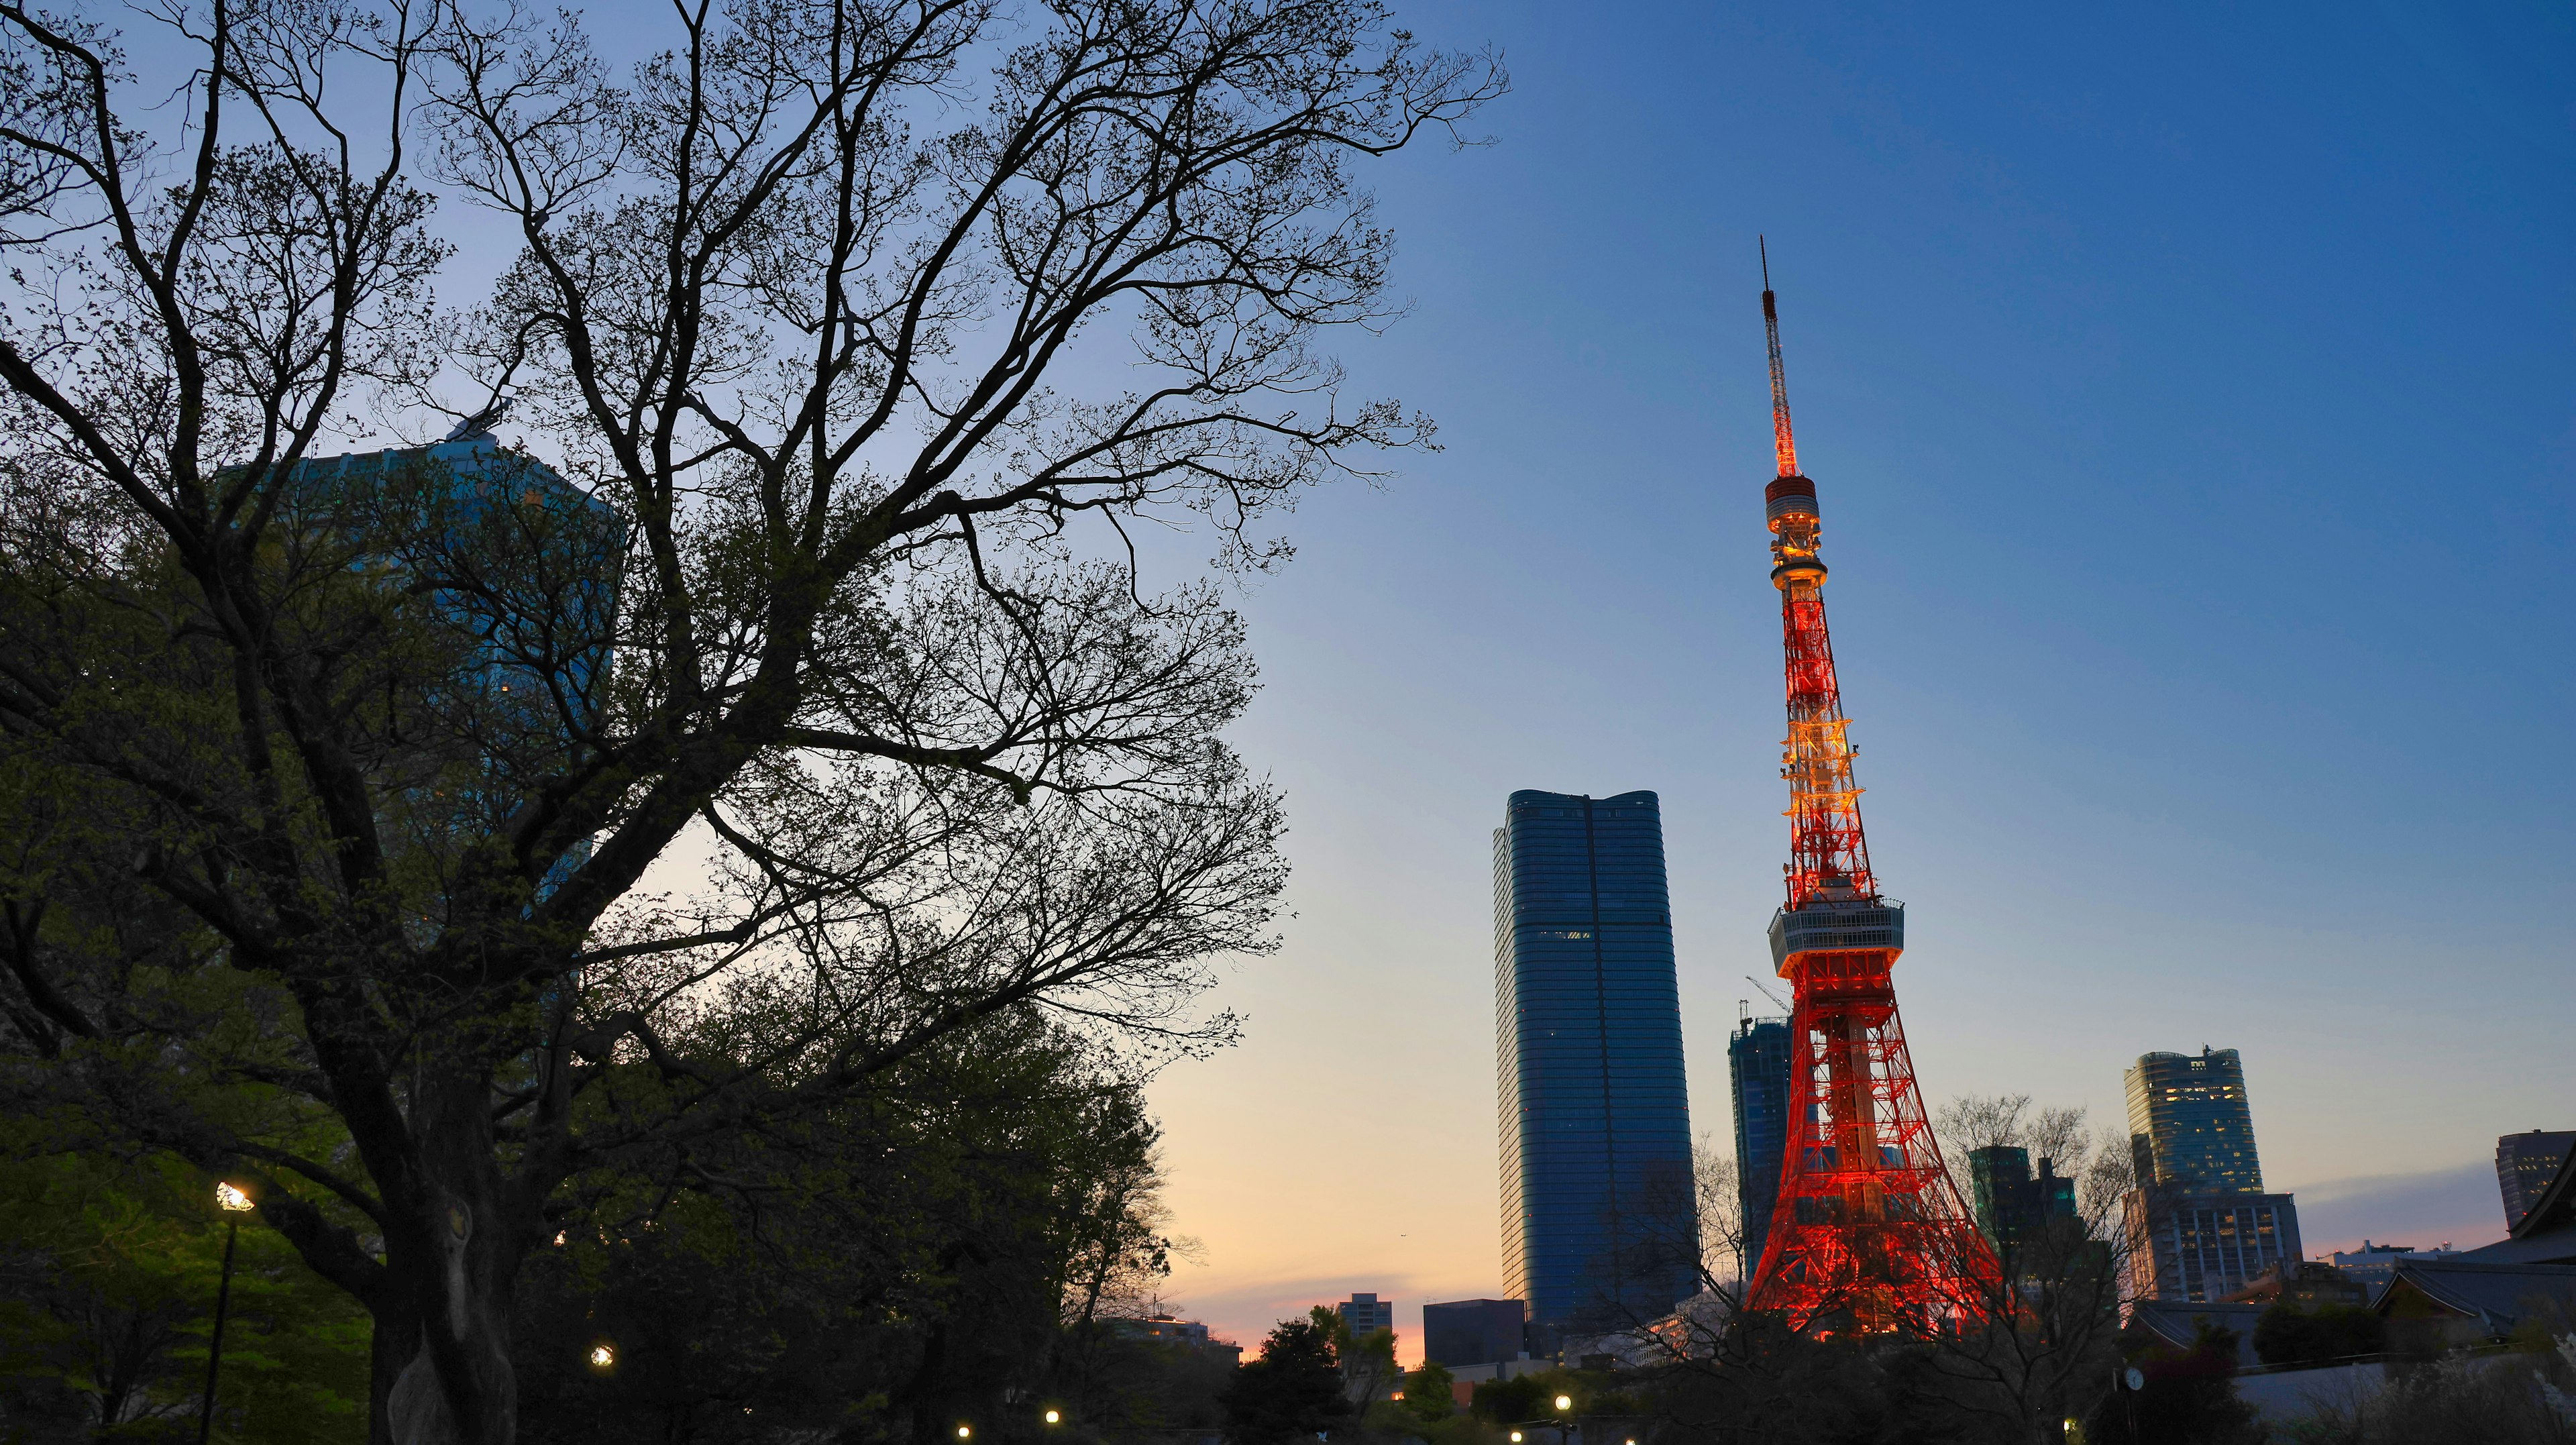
<point x="1054" y="1417"/>
<point x="965" y="1432"/>
<point x="227" y="1197"/>
<point x="602" y="1356"/>
<point x="1565" y="1402"/>
<point x="1516" y="1437"/>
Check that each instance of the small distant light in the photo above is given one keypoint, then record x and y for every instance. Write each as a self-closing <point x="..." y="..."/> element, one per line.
<point x="227" y="1197"/>
<point x="963" y="1431"/>
<point x="1516" y="1437"/>
<point x="601" y="1357"/>
<point x="1565" y="1402"/>
<point x="559" y="1239"/>
<point x="1054" y="1418"/>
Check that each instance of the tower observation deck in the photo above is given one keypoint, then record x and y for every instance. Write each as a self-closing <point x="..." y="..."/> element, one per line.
<point x="1869" y="1233"/>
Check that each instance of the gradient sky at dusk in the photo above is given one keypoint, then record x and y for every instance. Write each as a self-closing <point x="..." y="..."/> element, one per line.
<point x="2189" y="393"/>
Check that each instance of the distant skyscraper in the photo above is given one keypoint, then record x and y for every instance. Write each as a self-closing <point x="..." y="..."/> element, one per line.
<point x="2190" y="1125"/>
<point x="2200" y="1226"/>
<point x="1599" y="1226"/>
<point x="2525" y="1163"/>
<point x="1757" y="1061"/>
<point x="2009" y="1200"/>
<point x="1366" y="1314"/>
<point x="1472" y="1331"/>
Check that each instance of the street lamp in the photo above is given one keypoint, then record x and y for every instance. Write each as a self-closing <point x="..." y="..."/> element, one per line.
<point x="602" y="1356"/>
<point x="1055" y="1417"/>
<point x="965" y="1432"/>
<point x="235" y="1203"/>
<point x="1565" y="1402"/>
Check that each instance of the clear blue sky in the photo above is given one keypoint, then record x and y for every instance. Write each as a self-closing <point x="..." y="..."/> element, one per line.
<point x="2192" y="396"/>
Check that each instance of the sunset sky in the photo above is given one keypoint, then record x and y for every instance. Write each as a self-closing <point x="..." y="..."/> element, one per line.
<point x="2189" y="393"/>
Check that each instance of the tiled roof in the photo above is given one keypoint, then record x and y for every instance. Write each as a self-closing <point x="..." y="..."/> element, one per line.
<point x="2497" y="1294"/>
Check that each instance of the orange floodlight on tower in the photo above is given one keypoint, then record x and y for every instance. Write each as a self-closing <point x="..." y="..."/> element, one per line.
<point x="1870" y="1232"/>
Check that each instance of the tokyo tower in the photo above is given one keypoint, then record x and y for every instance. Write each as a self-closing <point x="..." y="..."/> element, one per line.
<point x="1870" y="1233"/>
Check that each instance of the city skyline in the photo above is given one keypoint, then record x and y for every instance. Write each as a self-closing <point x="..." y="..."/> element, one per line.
<point x="929" y="866"/>
<point x="2066" y="399"/>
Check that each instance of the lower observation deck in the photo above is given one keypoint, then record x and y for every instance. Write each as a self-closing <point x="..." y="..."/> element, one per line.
<point x="1833" y="928"/>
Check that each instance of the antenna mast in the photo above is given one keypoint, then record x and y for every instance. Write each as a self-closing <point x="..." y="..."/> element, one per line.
<point x="1782" y="443"/>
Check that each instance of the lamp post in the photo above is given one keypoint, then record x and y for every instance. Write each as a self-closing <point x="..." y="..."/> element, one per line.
<point x="235" y="1204"/>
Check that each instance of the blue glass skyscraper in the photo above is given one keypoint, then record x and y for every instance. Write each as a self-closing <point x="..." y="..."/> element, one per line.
<point x="1757" y="1062"/>
<point x="1599" y="1225"/>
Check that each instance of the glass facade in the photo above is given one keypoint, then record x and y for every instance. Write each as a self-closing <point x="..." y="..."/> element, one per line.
<point x="2205" y="1247"/>
<point x="1757" y="1062"/>
<point x="2190" y="1125"/>
<point x="1599" y="1225"/>
<point x="1472" y="1331"/>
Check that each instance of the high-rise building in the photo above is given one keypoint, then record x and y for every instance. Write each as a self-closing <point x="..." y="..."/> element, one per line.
<point x="1757" y="1063"/>
<point x="1472" y="1331"/>
<point x="2200" y="1226"/>
<point x="2010" y="1201"/>
<point x="1599" y="1225"/>
<point x="2525" y="1163"/>
<point x="2190" y="1125"/>
<point x="1366" y="1314"/>
<point x="2205" y="1247"/>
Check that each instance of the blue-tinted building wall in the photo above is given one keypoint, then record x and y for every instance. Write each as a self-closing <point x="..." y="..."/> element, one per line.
<point x="543" y="561"/>
<point x="1757" y="1062"/>
<point x="1599" y="1227"/>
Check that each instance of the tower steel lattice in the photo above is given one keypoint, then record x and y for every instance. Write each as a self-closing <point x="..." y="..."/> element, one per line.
<point x="1869" y="1233"/>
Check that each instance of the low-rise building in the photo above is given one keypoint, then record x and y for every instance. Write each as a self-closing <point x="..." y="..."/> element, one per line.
<point x="2374" y="1264"/>
<point x="2305" y="1284"/>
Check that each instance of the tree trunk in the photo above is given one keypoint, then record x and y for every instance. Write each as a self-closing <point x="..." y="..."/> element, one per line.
<point x="392" y="1344"/>
<point x="453" y="1259"/>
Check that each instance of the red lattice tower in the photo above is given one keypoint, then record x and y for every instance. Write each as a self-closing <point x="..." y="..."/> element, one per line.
<point x="1870" y="1232"/>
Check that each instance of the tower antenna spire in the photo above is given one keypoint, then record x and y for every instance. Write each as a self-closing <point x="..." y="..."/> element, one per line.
<point x="1782" y="443"/>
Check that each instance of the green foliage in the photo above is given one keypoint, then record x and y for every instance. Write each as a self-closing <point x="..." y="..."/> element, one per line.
<point x="1429" y="1392"/>
<point x="2288" y="1335"/>
<point x="108" y="1277"/>
<point x="1293" y="1392"/>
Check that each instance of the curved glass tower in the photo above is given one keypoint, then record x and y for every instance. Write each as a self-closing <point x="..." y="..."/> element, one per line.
<point x="1599" y="1226"/>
